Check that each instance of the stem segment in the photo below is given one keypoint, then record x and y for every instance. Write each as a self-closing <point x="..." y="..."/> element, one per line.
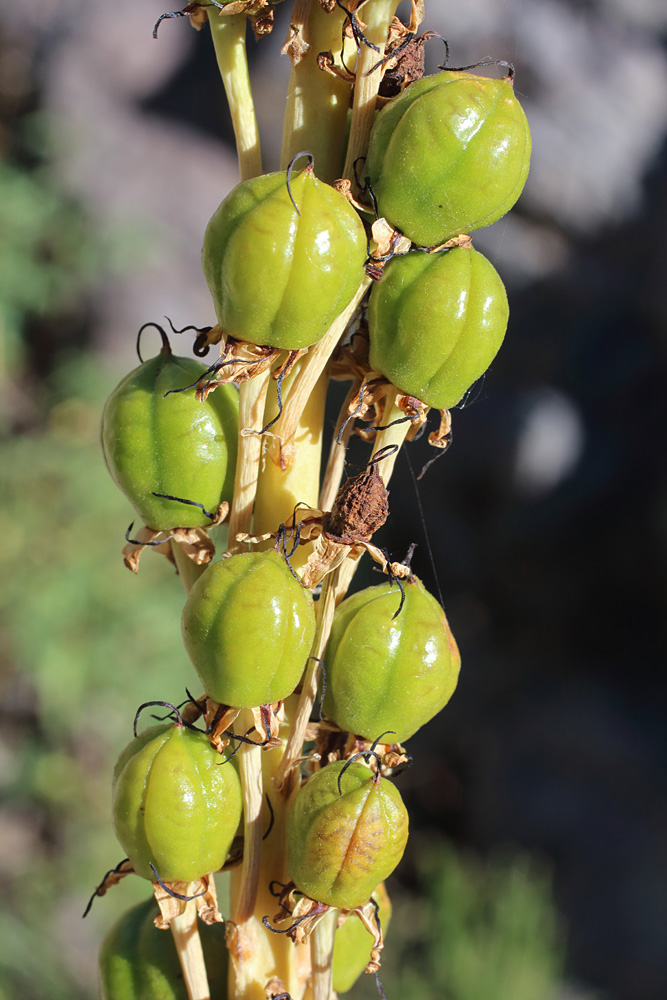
<point x="228" y="32"/>
<point x="321" y="952"/>
<point x="378" y="15"/>
<point x="252" y="397"/>
<point x="188" y="945"/>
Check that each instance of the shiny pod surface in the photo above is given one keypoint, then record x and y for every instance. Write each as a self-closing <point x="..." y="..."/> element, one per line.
<point x="178" y="445"/>
<point x="385" y="673"/>
<point x="248" y="626"/>
<point x="176" y="804"/>
<point x="139" y="962"/>
<point x="279" y="278"/>
<point x="436" y="322"/>
<point x="353" y="943"/>
<point x="340" y="847"/>
<point x="449" y="155"/>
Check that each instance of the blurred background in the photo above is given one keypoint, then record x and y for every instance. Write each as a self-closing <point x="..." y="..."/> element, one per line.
<point x="537" y="866"/>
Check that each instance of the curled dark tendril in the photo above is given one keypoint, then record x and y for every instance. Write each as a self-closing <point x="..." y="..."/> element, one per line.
<point x="399" y="583"/>
<point x="409" y="38"/>
<point x="279" y="396"/>
<point x="212" y="369"/>
<point x="365" y="754"/>
<point x="190" y="503"/>
<point x="190" y="326"/>
<point x="166" y="346"/>
<point x="487" y="61"/>
<point x="274" y="930"/>
<point x="272" y="814"/>
<point x="283" y="886"/>
<point x="357" y="33"/>
<point x="172" y="892"/>
<point x="355" y="413"/>
<point x="112" y="871"/>
<point x="387" y="732"/>
<point x="431" y="461"/>
<point x="165" y="17"/>
<point x="244" y="739"/>
<point x="379" y="986"/>
<point x="163" y="704"/>
<point x="281" y="543"/>
<point x="290" y="167"/>
<point x="137" y="541"/>
<point x="399" y="420"/>
<point x="169" y="715"/>
<point x="409" y="554"/>
<point x="378" y="922"/>
<point x="193" y="701"/>
<point x="382" y="453"/>
<point x="356" y="175"/>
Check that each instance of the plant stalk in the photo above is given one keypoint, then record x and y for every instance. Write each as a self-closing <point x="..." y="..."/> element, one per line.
<point x="188" y="946"/>
<point x="317" y="102"/>
<point x="378" y="15"/>
<point x="252" y="398"/>
<point x="321" y="954"/>
<point x="228" y="32"/>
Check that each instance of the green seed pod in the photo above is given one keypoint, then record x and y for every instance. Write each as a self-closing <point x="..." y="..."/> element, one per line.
<point x="139" y="962"/>
<point x="248" y="626"/>
<point x="279" y="277"/>
<point x="449" y="155"/>
<point x="178" y="445"/>
<point x="353" y="943"/>
<point x="176" y="804"/>
<point x="436" y="322"/>
<point x="389" y="674"/>
<point x="340" y="847"/>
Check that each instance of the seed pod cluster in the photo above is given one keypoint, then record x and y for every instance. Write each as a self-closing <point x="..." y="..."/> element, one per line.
<point x="284" y="256"/>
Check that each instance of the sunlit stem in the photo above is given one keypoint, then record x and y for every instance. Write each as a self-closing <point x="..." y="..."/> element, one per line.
<point x="188" y="571"/>
<point x="252" y="397"/>
<point x="228" y="32"/>
<point x="317" y="102"/>
<point x="315" y="363"/>
<point x="336" y="462"/>
<point x="250" y="770"/>
<point x="279" y="490"/>
<point x="256" y="954"/>
<point x="321" y="954"/>
<point x="188" y="947"/>
<point x="324" y="615"/>
<point x="378" y="15"/>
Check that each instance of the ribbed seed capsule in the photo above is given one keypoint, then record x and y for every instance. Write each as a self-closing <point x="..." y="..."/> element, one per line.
<point x="353" y="943"/>
<point x="248" y="626"/>
<point x="176" y="804"/>
<point x="277" y="277"/>
<point x="139" y="962"/>
<point x="449" y="155"/>
<point x="340" y="847"/>
<point x="385" y="673"/>
<point x="436" y="322"/>
<point x="174" y="445"/>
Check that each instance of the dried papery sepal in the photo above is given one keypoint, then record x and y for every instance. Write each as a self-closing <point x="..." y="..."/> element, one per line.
<point x="173" y="898"/>
<point x="195" y="543"/>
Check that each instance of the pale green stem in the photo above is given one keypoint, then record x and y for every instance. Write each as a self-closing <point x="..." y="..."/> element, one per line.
<point x="250" y="770"/>
<point x="324" y="614"/>
<point x="188" y="570"/>
<point x="378" y="16"/>
<point x="317" y="102"/>
<point x="188" y="946"/>
<point x="321" y="953"/>
<point x="228" y="32"/>
<point x="252" y="397"/>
